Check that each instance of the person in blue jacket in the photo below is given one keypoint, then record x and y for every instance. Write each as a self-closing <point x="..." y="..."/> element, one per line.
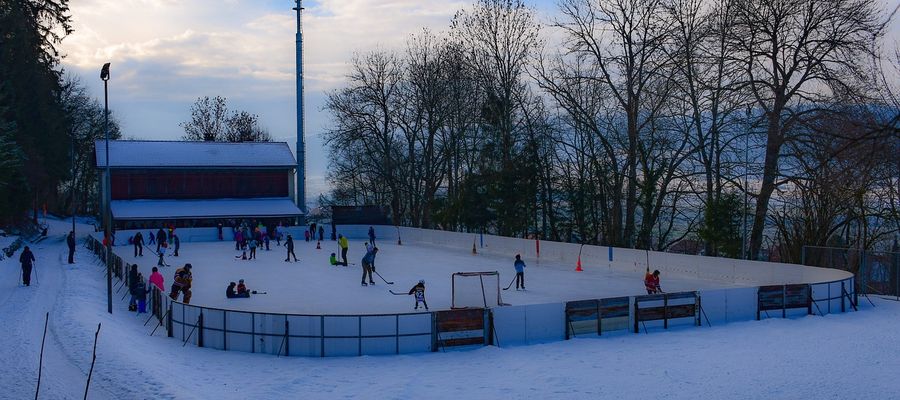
<point x="520" y="272"/>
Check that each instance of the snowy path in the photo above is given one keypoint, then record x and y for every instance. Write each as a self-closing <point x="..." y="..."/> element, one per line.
<point x="848" y="356"/>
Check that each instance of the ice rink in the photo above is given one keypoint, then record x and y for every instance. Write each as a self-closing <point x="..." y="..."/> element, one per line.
<point x="312" y="286"/>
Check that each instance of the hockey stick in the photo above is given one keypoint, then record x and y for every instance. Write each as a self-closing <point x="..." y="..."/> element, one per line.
<point x="382" y="278"/>
<point x="398" y="294"/>
<point x="510" y="283"/>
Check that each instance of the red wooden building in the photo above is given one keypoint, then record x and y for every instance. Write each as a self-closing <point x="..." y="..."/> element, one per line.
<point x="198" y="183"/>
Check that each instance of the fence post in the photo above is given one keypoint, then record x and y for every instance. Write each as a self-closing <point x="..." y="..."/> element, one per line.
<point x="397" y="331"/>
<point x="225" y="330"/>
<point x="842" y="298"/>
<point x="322" y="335"/>
<point x="200" y="330"/>
<point x="170" y="332"/>
<point x="665" y="311"/>
<point x="803" y="256"/>
<point x="636" y="316"/>
<point x="287" y="337"/>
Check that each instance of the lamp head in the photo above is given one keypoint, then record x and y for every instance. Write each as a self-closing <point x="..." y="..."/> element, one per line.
<point x="104" y="72"/>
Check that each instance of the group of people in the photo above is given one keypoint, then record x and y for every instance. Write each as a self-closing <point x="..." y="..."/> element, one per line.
<point x="237" y="290"/>
<point x="164" y="239"/>
<point x="139" y="289"/>
<point x="310" y="234"/>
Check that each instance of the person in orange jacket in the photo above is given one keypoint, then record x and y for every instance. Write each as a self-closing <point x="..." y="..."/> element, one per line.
<point x="651" y="282"/>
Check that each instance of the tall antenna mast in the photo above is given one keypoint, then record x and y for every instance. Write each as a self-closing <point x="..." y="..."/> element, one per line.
<point x="301" y="143"/>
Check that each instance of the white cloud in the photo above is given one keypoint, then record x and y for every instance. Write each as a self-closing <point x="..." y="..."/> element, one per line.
<point x="166" y="53"/>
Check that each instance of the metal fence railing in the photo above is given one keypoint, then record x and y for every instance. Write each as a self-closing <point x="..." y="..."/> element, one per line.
<point x="877" y="272"/>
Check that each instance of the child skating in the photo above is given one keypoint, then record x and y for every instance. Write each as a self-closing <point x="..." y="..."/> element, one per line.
<point x="419" y="292"/>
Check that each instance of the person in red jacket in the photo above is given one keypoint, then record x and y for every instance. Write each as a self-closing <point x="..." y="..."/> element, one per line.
<point x="651" y="282"/>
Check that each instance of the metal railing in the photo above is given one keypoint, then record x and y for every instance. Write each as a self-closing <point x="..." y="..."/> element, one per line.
<point x="877" y="272"/>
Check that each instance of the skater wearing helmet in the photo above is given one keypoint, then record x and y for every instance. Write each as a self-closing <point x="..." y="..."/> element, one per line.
<point x="651" y="282"/>
<point x="419" y="291"/>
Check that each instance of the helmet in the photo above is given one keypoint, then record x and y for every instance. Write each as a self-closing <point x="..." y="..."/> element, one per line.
<point x="241" y="280"/>
<point x="422" y="281"/>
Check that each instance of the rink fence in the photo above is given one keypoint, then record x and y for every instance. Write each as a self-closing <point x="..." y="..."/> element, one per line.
<point x="828" y="291"/>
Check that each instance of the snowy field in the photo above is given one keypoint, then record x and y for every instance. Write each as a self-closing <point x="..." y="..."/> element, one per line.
<point x="312" y="286"/>
<point x="841" y="356"/>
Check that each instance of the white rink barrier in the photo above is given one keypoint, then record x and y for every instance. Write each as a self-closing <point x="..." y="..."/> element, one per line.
<point x="831" y="291"/>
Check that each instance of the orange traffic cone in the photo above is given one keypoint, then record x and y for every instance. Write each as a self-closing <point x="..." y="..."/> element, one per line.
<point x="318" y="245"/>
<point x="578" y="265"/>
<point x="473" y="248"/>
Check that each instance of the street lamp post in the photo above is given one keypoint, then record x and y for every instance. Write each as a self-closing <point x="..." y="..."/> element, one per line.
<point x="104" y="75"/>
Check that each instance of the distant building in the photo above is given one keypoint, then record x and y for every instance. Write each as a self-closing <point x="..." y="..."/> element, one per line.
<point x="198" y="183"/>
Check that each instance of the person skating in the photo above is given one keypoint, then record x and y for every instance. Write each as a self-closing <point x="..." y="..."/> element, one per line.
<point x="321" y="233"/>
<point x="160" y="238"/>
<point x="306" y="235"/>
<point x="27" y="261"/>
<point x="279" y="233"/>
<point x="372" y="235"/>
<point x="152" y="239"/>
<point x="266" y="240"/>
<point x="334" y="261"/>
<point x="289" y="243"/>
<point x="252" y="249"/>
<point x="238" y="240"/>
<point x="651" y="282"/>
<point x="419" y="292"/>
<point x="368" y="265"/>
<point x="70" y="241"/>
<point x="344" y="244"/>
<point x="138" y="243"/>
<point x="182" y="283"/>
<point x="162" y="254"/>
<point x="177" y="242"/>
<point x="520" y="272"/>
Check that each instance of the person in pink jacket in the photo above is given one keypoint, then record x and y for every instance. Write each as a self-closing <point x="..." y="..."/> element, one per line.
<point x="157" y="280"/>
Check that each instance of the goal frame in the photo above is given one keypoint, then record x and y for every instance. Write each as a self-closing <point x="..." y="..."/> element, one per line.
<point x="485" y="291"/>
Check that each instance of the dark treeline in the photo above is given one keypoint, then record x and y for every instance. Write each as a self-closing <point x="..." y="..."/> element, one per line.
<point x="631" y="123"/>
<point x="41" y="110"/>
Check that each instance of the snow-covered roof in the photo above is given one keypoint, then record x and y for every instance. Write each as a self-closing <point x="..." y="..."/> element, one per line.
<point x="200" y="209"/>
<point x="167" y="154"/>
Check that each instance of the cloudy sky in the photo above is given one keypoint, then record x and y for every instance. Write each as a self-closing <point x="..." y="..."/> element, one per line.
<point x="166" y="53"/>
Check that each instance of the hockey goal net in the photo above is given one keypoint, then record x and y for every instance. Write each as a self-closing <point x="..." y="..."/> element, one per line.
<point x="476" y="290"/>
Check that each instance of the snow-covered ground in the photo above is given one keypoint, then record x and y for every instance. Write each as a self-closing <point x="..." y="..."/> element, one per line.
<point x="842" y="356"/>
<point x="312" y="286"/>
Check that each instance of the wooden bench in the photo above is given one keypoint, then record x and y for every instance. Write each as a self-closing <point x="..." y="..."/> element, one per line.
<point x="465" y="327"/>
<point x="674" y="305"/>
<point x="783" y="297"/>
<point x="587" y="316"/>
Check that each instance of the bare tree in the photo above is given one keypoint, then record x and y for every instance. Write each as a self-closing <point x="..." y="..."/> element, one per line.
<point x="242" y="126"/>
<point x="208" y="119"/>
<point x="366" y="121"/>
<point x="798" y="55"/>
<point x="498" y="38"/>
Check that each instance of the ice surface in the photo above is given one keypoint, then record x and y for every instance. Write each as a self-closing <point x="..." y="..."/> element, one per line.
<point x="312" y="286"/>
